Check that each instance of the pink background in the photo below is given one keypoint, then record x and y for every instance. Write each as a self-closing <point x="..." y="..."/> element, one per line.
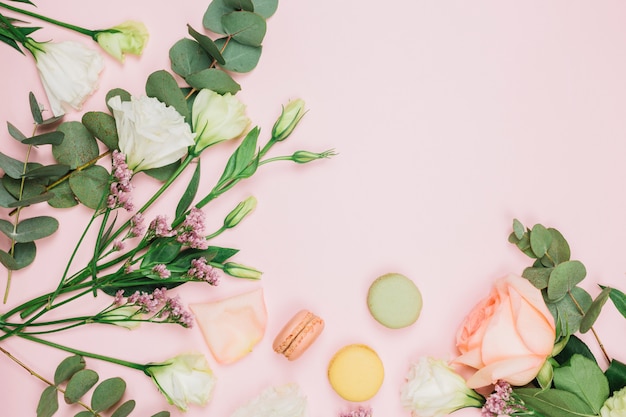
<point x="450" y="118"/>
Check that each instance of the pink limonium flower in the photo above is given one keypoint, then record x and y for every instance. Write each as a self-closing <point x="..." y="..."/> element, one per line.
<point x="189" y="232"/>
<point x="120" y="188"/>
<point x="202" y="271"/>
<point x="163" y="308"/>
<point x="502" y="402"/>
<point x="359" y="412"/>
<point x="137" y="225"/>
<point x="162" y="271"/>
<point x="160" y="227"/>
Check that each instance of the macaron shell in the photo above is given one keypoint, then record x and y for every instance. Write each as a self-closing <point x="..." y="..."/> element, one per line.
<point x="394" y="301"/>
<point x="305" y="338"/>
<point x="290" y="330"/>
<point x="356" y="372"/>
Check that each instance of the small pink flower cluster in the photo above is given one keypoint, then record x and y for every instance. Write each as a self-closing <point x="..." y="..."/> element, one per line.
<point x="202" y="271"/>
<point x="189" y="233"/>
<point x="359" y="412"/>
<point x="501" y="402"/>
<point x="120" y="188"/>
<point x="159" y="304"/>
<point x="137" y="225"/>
<point x="160" y="227"/>
<point x="162" y="271"/>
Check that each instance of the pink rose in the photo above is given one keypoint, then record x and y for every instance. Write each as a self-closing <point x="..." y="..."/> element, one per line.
<point x="508" y="335"/>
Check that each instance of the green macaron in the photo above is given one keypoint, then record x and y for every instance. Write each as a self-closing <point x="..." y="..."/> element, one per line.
<point x="394" y="301"/>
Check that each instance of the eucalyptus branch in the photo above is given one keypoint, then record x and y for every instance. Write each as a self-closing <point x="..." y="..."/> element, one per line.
<point x="595" y="334"/>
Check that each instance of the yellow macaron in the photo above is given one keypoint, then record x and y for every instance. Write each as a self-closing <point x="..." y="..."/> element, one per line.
<point x="356" y="372"/>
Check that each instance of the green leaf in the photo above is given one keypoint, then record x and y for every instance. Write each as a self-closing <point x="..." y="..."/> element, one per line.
<point x="102" y="126"/>
<point x="31" y="188"/>
<point x="538" y="276"/>
<point x="211" y="254"/>
<point x="566" y="310"/>
<point x="616" y="374"/>
<point x="558" y="251"/>
<point x="583" y="377"/>
<point x="23" y="255"/>
<point x="25" y="202"/>
<point x="619" y="300"/>
<point x="540" y="240"/>
<point x="239" y="57"/>
<point x="190" y="193"/>
<point x="265" y="8"/>
<point x="5" y="197"/>
<point x="518" y="229"/>
<point x="124" y="96"/>
<point x="207" y="45"/>
<point x="554" y="402"/>
<point x="63" y="196"/>
<point x="30" y="229"/>
<point x="12" y="167"/>
<point x="15" y="132"/>
<point x="574" y="346"/>
<point x="162" y="85"/>
<point x="187" y="57"/>
<point x="68" y="367"/>
<point x="125" y="409"/>
<point x="564" y="277"/>
<point x="35" y="110"/>
<point x="163" y="173"/>
<point x="79" y="146"/>
<point x="162" y="414"/>
<point x="51" y="120"/>
<point x="90" y="185"/>
<point x="213" y="79"/>
<point x="242" y="158"/>
<point x="212" y="18"/>
<point x="84" y="413"/>
<point x="592" y="314"/>
<point x="48" y="402"/>
<point x="240" y="5"/>
<point x="107" y="394"/>
<point x="161" y="252"/>
<point x="50" y="138"/>
<point x="49" y="171"/>
<point x="245" y="27"/>
<point x="78" y="385"/>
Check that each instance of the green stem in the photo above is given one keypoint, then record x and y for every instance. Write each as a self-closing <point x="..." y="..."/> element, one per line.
<point x="90" y="33"/>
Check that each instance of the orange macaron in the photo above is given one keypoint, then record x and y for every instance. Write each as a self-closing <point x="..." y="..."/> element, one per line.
<point x="298" y="334"/>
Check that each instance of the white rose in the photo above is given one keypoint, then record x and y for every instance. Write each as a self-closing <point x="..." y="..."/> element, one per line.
<point x="151" y="134"/>
<point x="615" y="406"/>
<point x="433" y="389"/>
<point x="69" y="72"/>
<point x="185" y="379"/>
<point x="127" y="38"/>
<point x="217" y="118"/>
<point x="282" y="401"/>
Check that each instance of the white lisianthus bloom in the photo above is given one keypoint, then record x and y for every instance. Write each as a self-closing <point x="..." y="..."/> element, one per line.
<point x="282" y="401"/>
<point x="217" y="118"/>
<point x="615" y="406"/>
<point x="127" y="38"/>
<point x="433" y="389"/>
<point x="151" y="134"/>
<point x="185" y="379"/>
<point x="69" y="72"/>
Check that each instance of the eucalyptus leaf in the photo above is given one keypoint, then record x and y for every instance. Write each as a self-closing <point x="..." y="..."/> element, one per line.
<point x="25" y="202"/>
<point x="30" y="188"/>
<point x="123" y="94"/>
<point x="15" y="132"/>
<point x="583" y="377"/>
<point x="564" y="277"/>
<point x="190" y="192"/>
<point x="212" y="18"/>
<point x="518" y="229"/>
<point x="592" y="314"/>
<point x="265" y="8"/>
<point x="107" y="394"/>
<point x="35" y="110"/>
<point x="162" y="85"/>
<point x="619" y="300"/>
<point x="63" y="197"/>
<point x="616" y="374"/>
<point x="553" y="402"/>
<point x="79" y="146"/>
<point x="52" y="120"/>
<point x="240" y="5"/>
<point x="24" y="254"/>
<point x="213" y="79"/>
<point x="11" y="166"/>
<point x="538" y="276"/>
<point x="559" y="250"/>
<point x="7" y="260"/>
<point x="207" y="44"/>
<point x="239" y="57"/>
<point x="48" y="402"/>
<point x="540" y="240"/>
<point x="84" y="413"/>
<point x="567" y="312"/>
<point x="68" y="367"/>
<point x="30" y="229"/>
<point x="102" y="126"/>
<point x="48" y="171"/>
<point x="574" y="346"/>
<point x="162" y="414"/>
<point x="187" y="57"/>
<point x="5" y="197"/>
<point x="125" y="409"/>
<point x="90" y="185"/>
<point x="50" y="138"/>
<point x="79" y="384"/>
<point x="247" y="28"/>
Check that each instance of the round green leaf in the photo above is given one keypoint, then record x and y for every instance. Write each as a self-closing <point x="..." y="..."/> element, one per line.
<point x="239" y="57"/>
<point x="594" y="310"/>
<point x="240" y="5"/>
<point x="124" y="96"/>
<point x="540" y="240"/>
<point x="162" y="414"/>
<point x="11" y="166"/>
<point x="187" y="57"/>
<point x="78" y="147"/>
<point x="537" y="276"/>
<point x="265" y="8"/>
<point x="213" y="79"/>
<point x="84" y="413"/>
<point x="559" y="250"/>
<point x="23" y="255"/>
<point x="5" y="197"/>
<point x="125" y="409"/>
<point x="63" y="196"/>
<point x="567" y="313"/>
<point x="79" y="384"/>
<point x="68" y="367"/>
<point x="30" y="229"/>
<point x="207" y="44"/>
<point x="162" y="85"/>
<point x="48" y="171"/>
<point x="102" y="126"/>
<point x="518" y="229"/>
<point x="564" y="277"/>
<point x="48" y="402"/>
<point x="90" y="185"/>
<point x="212" y="18"/>
<point x="107" y="394"/>
<point x="245" y="27"/>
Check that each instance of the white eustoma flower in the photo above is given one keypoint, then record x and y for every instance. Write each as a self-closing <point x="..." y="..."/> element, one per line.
<point x="185" y="379"/>
<point x="433" y="389"/>
<point x="151" y="134"/>
<point x="282" y="401"/>
<point x="129" y="37"/>
<point x="217" y="118"/>
<point x="615" y="406"/>
<point x="69" y="72"/>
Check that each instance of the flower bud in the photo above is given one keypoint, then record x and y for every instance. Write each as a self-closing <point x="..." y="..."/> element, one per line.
<point x="288" y="120"/>
<point x="129" y="37"/>
<point x="302" y="157"/>
<point x="241" y="271"/>
<point x="242" y="210"/>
